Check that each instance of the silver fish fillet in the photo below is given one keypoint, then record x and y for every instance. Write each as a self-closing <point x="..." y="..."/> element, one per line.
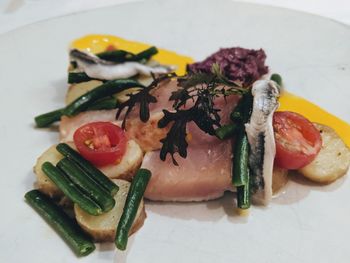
<point x="98" y="68"/>
<point x="261" y="139"/>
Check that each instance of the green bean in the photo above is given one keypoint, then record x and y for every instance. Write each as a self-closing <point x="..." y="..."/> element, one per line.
<point x="120" y="56"/>
<point x="87" y="100"/>
<point x="133" y="200"/>
<point x="70" y="190"/>
<point x="106" y="89"/>
<point x="89" y="168"/>
<point x="277" y="78"/>
<point x="146" y="54"/>
<point x="80" y="178"/>
<point x="226" y="131"/>
<point x="242" y="112"/>
<point x="117" y="56"/>
<point x="46" y="119"/>
<point x="66" y="227"/>
<point x="240" y="170"/>
<point x="107" y="103"/>
<point x="244" y="195"/>
<point x="240" y="159"/>
<point x="78" y="77"/>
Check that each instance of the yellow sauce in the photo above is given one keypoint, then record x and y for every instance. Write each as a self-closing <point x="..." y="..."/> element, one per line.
<point x="288" y="101"/>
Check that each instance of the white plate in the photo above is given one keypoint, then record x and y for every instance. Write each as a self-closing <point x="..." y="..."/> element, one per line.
<point x="308" y="224"/>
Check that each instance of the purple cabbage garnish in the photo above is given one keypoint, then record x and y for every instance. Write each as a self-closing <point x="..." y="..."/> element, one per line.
<point x="237" y="64"/>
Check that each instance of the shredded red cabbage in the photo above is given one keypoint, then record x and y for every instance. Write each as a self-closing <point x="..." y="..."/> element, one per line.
<point x="237" y="64"/>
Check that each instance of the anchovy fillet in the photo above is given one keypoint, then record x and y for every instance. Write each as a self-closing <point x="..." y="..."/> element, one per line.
<point x="261" y="139"/>
<point x="98" y="68"/>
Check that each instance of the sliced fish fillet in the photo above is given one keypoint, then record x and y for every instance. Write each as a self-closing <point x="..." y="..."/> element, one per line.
<point x="205" y="174"/>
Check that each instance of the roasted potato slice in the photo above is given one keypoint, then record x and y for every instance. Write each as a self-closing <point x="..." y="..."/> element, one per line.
<point x="332" y="162"/>
<point x="103" y="227"/>
<point x="44" y="183"/>
<point x="76" y="90"/>
<point x="129" y="164"/>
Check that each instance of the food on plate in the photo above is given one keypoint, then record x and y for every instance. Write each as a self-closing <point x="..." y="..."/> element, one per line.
<point x="61" y="222"/>
<point x="332" y="161"/>
<point x="103" y="227"/>
<point x="297" y="140"/>
<point x="97" y="68"/>
<point x="142" y="122"/>
<point x="101" y="143"/>
<point x="238" y="64"/>
<point x="125" y="169"/>
<point x="132" y="204"/>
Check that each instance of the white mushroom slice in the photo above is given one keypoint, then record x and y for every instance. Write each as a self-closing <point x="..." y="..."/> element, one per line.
<point x="261" y="139"/>
<point x="98" y="68"/>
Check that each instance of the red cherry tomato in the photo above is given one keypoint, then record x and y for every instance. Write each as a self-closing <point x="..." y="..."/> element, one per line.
<point x="297" y="140"/>
<point x="101" y="143"/>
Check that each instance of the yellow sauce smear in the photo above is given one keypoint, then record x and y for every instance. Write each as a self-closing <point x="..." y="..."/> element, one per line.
<point x="288" y="101"/>
<point x="99" y="43"/>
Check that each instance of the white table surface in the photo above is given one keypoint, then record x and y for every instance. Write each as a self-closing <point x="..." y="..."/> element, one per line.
<point x="18" y="13"/>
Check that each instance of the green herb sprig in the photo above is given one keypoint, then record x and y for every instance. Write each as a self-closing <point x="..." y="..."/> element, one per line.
<point x="143" y="98"/>
<point x="202" y="89"/>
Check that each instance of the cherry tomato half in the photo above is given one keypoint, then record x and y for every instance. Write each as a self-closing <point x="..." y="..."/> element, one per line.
<point x="101" y="143"/>
<point x="297" y="140"/>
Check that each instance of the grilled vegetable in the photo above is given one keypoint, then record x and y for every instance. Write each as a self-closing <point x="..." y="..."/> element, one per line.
<point x="333" y="160"/>
<point x="78" y="77"/>
<point x="244" y="194"/>
<point x="126" y="169"/>
<point x="133" y="200"/>
<point x="107" y="103"/>
<point x="240" y="170"/>
<point x="91" y="170"/>
<point x="86" y="100"/>
<point x="241" y="160"/>
<point x="71" y="190"/>
<point x="107" y="89"/>
<point x="87" y="185"/>
<point x="61" y="222"/>
<point x="128" y="165"/>
<point x="120" y="56"/>
<point x="103" y="227"/>
<point x="46" y="119"/>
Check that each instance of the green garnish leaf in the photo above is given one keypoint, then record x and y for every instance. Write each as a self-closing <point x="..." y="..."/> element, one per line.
<point x="201" y="89"/>
<point x="143" y="98"/>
